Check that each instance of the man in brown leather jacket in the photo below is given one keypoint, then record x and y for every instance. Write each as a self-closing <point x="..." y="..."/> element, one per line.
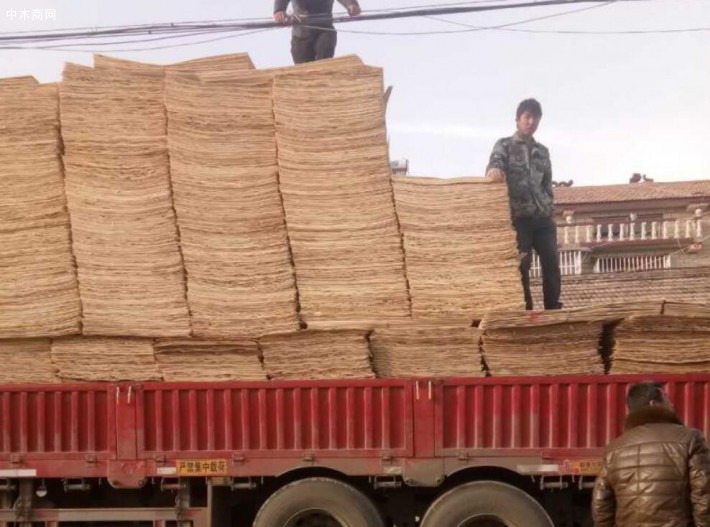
<point x="657" y="473"/>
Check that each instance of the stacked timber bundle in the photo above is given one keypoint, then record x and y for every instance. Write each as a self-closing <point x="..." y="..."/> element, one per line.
<point x="662" y="344"/>
<point x="131" y="276"/>
<point x="39" y="295"/>
<point x="104" y="359"/>
<point x="312" y="354"/>
<point x="227" y="74"/>
<point x="459" y="245"/>
<point x="26" y="361"/>
<point x="240" y="279"/>
<point x="545" y="343"/>
<point x="205" y="360"/>
<point x="422" y="349"/>
<point x="557" y="349"/>
<point x="684" y="309"/>
<point x="553" y="342"/>
<point x="609" y="313"/>
<point x="216" y="64"/>
<point x="337" y="194"/>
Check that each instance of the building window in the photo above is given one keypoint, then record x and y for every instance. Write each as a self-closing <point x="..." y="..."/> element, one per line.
<point x="625" y="264"/>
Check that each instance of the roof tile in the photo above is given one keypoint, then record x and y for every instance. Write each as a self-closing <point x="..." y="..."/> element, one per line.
<point x="632" y="192"/>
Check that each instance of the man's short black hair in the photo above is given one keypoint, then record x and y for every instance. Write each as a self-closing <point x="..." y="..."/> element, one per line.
<point x="529" y="105"/>
<point x="643" y="393"/>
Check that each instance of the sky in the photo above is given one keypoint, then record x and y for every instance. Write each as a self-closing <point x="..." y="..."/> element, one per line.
<point x="612" y="104"/>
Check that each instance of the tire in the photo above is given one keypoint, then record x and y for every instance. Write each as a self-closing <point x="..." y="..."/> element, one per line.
<point x="499" y="503"/>
<point x="344" y="504"/>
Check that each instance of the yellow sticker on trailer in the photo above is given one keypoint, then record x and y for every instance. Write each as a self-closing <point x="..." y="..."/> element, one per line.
<point x="202" y="467"/>
<point x="584" y="467"/>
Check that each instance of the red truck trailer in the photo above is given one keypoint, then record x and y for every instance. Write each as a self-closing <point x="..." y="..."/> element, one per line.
<point x="356" y="453"/>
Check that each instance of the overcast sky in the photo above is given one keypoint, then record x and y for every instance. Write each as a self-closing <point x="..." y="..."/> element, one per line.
<point x="612" y="104"/>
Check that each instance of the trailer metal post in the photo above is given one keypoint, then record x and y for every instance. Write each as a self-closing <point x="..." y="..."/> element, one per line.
<point x="24" y="503"/>
<point x="5" y="503"/>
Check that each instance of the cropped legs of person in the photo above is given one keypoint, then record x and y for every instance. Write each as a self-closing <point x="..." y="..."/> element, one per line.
<point x="319" y="44"/>
<point x="540" y="234"/>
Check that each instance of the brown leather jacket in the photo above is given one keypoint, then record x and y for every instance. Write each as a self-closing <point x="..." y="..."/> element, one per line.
<point x="656" y="474"/>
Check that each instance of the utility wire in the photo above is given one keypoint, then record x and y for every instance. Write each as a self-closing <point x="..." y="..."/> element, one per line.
<point x="19" y="38"/>
<point x="507" y="27"/>
<point x="150" y="48"/>
<point x="188" y="23"/>
<point x="175" y="31"/>
<point x="502" y="26"/>
<point x="63" y="47"/>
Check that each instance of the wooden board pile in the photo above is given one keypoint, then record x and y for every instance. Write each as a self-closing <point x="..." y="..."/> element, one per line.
<point x="459" y="246"/>
<point x="422" y="349"/>
<point x="684" y="309"/>
<point x="677" y="341"/>
<point x="125" y="238"/>
<point x="222" y="143"/>
<point x="337" y="194"/>
<point x="105" y="359"/>
<point x="556" y="349"/>
<point x="39" y="295"/>
<point x="26" y="361"/>
<point x="218" y="64"/>
<point x="312" y="354"/>
<point x="561" y="342"/>
<point x="197" y="360"/>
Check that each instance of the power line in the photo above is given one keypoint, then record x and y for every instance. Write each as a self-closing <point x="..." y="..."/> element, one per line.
<point x="471" y="28"/>
<point x="246" y="19"/>
<point x="620" y="32"/>
<point x="192" y="29"/>
<point x="501" y="26"/>
<point x="507" y="27"/>
<point x="20" y="38"/>
<point x="125" y="50"/>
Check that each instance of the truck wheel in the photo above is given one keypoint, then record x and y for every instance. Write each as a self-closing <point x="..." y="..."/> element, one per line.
<point x="318" y="502"/>
<point x="486" y="504"/>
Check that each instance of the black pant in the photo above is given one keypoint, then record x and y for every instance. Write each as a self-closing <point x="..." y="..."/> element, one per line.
<point x="540" y="234"/>
<point x="314" y="44"/>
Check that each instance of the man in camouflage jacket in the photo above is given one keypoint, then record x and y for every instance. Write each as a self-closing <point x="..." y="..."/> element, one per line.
<point x="314" y="37"/>
<point x="525" y="166"/>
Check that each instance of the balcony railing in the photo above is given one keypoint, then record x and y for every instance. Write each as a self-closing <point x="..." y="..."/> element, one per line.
<point x="570" y="263"/>
<point x="623" y="264"/>
<point x="632" y="231"/>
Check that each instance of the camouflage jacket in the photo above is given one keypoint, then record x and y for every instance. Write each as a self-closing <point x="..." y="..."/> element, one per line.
<point x="303" y="8"/>
<point x="528" y="173"/>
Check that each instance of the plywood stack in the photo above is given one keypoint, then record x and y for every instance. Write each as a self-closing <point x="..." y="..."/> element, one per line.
<point x="459" y="245"/>
<point x="131" y="275"/>
<point x="39" y="295"/>
<point x="225" y="182"/>
<point x="204" y="360"/>
<point x="609" y="313"/>
<point x="216" y="64"/>
<point x="422" y="349"/>
<point x="546" y="343"/>
<point x="26" y="361"/>
<point x="685" y="309"/>
<point x="661" y="344"/>
<point x="560" y="349"/>
<point x="339" y="354"/>
<point x="337" y="194"/>
<point x="104" y="359"/>
<point x="224" y="74"/>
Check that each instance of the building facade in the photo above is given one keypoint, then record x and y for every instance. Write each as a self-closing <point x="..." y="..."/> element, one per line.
<point x="641" y="226"/>
<point x="641" y="240"/>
